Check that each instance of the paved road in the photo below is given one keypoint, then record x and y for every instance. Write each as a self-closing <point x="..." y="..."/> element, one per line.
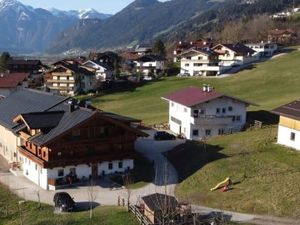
<point x="165" y="173"/>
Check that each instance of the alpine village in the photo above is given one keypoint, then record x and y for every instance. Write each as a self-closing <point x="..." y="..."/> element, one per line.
<point x="179" y="112"/>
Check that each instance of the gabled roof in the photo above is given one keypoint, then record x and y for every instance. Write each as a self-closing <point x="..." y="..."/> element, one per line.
<point x="25" y="101"/>
<point x="158" y="202"/>
<point x="150" y="58"/>
<point x="237" y="48"/>
<point x="73" y="67"/>
<point x="98" y="63"/>
<point x="198" y="51"/>
<point x="192" y="96"/>
<point x="12" y="80"/>
<point x="290" y="110"/>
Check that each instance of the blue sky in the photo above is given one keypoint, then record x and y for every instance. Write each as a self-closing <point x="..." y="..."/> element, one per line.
<point x="105" y="6"/>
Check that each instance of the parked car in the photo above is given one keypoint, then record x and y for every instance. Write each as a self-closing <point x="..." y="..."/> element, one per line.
<point x="163" y="135"/>
<point x="64" y="202"/>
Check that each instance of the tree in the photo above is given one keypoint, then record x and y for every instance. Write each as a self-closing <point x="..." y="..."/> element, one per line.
<point x="3" y="61"/>
<point x="159" y="48"/>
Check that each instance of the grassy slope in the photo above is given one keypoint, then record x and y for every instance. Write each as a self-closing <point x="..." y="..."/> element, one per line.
<point x="34" y="216"/>
<point x="271" y="185"/>
<point x="270" y="84"/>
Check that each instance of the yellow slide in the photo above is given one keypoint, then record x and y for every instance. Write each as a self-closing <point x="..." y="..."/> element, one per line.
<point x="221" y="184"/>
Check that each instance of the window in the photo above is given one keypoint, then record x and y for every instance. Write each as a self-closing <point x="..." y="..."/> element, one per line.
<point x="35" y="166"/>
<point x="73" y="171"/>
<point x="218" y="110"/>
<point x="188" y="57"/>
<point x="293" y="136"/>
<point x="187" y="64"/>
<point x="200" y="58"/>
<point x="185" y="110"/>
<point x="224" y="110"/>
<point x="201" y="111"/>
<point x="207" y="132"/>
<point x="196" y="113"/>
<point x="76" y="133"/>
<point x="195" y="133"/>
<point x="221" y="131"/>
<point x="120" y="165"/>
<point x="60" y="172"/>
<point x="110" y="166"/>
<point x="230" y="108"/>
<point x="172" y="104"/>
<point x="59" y="154"/>
<point x="238" y="118"/>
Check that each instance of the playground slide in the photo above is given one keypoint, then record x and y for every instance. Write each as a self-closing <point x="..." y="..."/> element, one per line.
<point x="221" y="184"/>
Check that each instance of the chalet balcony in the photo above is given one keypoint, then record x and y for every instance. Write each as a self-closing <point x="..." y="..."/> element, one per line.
<point x="211" y="120"/>
<point x="61" y="81"/>
<point x="61" y="88"/>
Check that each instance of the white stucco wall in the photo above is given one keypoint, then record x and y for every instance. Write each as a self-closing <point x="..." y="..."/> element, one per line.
<point x="8" y="144"/>
<point x="209" y="120"/>
<point x="284" y="137"/>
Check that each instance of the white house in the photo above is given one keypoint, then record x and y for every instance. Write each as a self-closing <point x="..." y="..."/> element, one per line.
<point x="234" y="54"/>
<point x="289" y="124"/>
<point x="201" y="113"/>
<point x="263" y="49"/>
<point x="103" y="71"/>
<point x="150" y="65"/>
<point x="200" y="63"/>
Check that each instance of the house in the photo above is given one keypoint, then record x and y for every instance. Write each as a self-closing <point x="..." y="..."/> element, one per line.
<point x="200" y="63"/>
<point x="234" y="54"/>
<point x="16" y="65"/>
<point x="142" y="50"/>
<point x="69" y="78"/>
<point x="289" y="124"/>
<point x="103" y="71"/>
<point x="150" y="65"/>
<point x="201" y="44"/>
<point x="10" y="82"/>
<point x="200" y="113"/>
<point x="282" y="36"/>
<point x="263" y="49"/>
<point x="159" y="208"/>
<point x="57" y="142"/>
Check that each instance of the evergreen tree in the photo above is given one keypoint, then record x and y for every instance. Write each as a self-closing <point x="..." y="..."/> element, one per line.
<point x="159" y="48"/>
<point x="3" y="61"/>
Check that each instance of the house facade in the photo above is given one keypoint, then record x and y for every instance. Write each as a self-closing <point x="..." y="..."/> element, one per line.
<point x="234" y="54"/>
<point x="201" y="113"/>
<point x="263" y="49"/>
<point x="289" y="125"/>
<point x="64" y="143"/>
<point x="200" y="63"/>
<point x="69" y="79"/>
<point x="102" y="71"/>
<point x="150" y="65"/>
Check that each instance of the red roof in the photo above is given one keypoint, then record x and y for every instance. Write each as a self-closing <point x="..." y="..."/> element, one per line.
<point x="12" y="80"/>
<point x="193" y="96"/>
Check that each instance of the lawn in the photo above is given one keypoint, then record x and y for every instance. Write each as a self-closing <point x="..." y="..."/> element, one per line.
<point x="265" y="175"/>
<point x="269" y="84"/>
<point x="30" y="213"/>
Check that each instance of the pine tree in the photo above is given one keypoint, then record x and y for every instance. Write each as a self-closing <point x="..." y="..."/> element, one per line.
<point x="159" y="48"/>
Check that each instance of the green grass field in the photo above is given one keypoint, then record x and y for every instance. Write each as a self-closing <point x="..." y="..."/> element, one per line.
<point x="265" y="174"/>
<point x="269" y="84"/>
<point x="30" y="214"/>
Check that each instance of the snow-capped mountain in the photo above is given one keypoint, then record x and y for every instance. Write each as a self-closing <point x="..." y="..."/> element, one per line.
<point x="25" y="29"/>
<point x="80" y="14"/>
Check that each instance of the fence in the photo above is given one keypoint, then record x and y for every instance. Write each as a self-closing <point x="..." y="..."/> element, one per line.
<point x="135" y="210"/>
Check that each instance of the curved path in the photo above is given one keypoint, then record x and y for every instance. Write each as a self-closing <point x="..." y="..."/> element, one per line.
<point x="164" y="182"/>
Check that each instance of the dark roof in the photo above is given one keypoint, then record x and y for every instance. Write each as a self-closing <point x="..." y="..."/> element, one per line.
<point x="25" y="101"/>
<point x="121" y="118"/>
<point x="150" y="58"/>
<point x="68" y="121"/>
<point x="193" y="96"/>
<point x="290" y="110"/>
<point x="42" y="120"/>
<point x="73" y="67"/>
<point x="24" y="62"/>
<point x="239" y="48"/>
<point x="157" y="202"/>
<point x="12" y="80"/>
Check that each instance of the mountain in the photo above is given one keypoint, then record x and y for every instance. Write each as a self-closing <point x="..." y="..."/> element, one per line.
<point x="28" y="30"/>
<point x="139" y="22"/>
<point x="145" y="20"/>
<point x="80" y="14"/>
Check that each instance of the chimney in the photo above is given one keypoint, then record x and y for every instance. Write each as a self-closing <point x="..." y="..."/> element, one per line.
<point x="71" y="104"/>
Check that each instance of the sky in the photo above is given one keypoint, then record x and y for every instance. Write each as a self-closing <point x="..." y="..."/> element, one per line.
<point x="104" y="6"/>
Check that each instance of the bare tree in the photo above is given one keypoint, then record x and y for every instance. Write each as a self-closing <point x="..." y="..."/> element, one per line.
<point x="91" y="197"/>
<point x="127" y="180"/>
